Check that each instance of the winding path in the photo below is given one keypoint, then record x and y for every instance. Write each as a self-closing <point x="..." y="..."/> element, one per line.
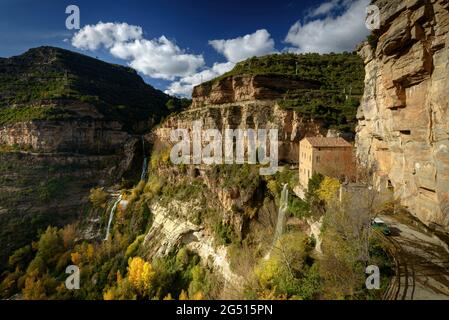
<point x="422" y="262"/>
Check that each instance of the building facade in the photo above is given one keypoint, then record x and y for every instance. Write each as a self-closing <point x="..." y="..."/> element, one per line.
<point x="331" y="157"/>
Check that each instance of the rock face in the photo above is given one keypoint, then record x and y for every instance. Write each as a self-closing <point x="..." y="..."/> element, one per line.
<point x="65" y="136"/>
<point x="403" y="127"/>
<point x="249" y="102"/>
<point x="169" y="231"/>
<point x="247" y="88"/>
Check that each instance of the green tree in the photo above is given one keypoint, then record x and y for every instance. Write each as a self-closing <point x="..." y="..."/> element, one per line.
<point x="98" y="197"/>
<point x="21" y="257"/>
<point x="50" y="245"/>
<point x="312" y="198"/>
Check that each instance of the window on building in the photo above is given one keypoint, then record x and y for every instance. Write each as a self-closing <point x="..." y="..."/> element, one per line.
<point x="317" y="159"/>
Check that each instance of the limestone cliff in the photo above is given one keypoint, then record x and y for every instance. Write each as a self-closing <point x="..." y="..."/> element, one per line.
<point x="252" y="114"/>
<point x="249" y="102"/>
<point x="242" y="88"/>
<point x="403" y="129"/>
<point x="97" y="137"/>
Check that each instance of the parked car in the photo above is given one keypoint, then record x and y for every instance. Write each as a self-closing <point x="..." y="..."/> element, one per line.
<point x="380" y="225"/>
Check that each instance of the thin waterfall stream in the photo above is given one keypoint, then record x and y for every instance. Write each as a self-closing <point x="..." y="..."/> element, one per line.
<point x="279" y="229"/>
<point x="143" y="176"/>
<point x="283" y="206"/>
<point x="119" y="199"/>
<point x="111" y="216"/>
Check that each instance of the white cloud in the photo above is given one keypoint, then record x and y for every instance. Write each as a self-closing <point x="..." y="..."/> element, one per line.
<point x="161" y="58"/>
<point x="185" y="85"/>
<point x="92" y="37"/>
<point x="235" y="50"/>
<point x="332" y="33"/>
<point x="157" y="58"/>
<point x="324" y="8"/>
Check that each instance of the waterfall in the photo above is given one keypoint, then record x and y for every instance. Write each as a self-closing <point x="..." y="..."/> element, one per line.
<point x="143" y="176"/>
<point x="111" y="216"/>
<point x="283" y="206"/>
<point x="279" y="229"/>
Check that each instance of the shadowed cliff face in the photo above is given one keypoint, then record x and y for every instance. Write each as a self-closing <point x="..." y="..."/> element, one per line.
<point x="94" y="137"/>
<point x="68" y="123"/>
<point x="403" y="119"/>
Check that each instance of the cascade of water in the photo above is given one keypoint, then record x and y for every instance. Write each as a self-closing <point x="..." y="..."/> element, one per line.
<point x="143" y="176"/>
<point x="279" y="229"/>
<point x="111" y="216"/>
<point x="283" y="206"/>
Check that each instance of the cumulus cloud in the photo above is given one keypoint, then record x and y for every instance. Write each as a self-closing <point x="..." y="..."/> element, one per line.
<point x="92" y="37"/>
<point x="332" y="33"/>
<point x="185" y="85"/>
<point x="235" y="50"/>
<point x="158" y="58"/>
<point x="162" y="58"/>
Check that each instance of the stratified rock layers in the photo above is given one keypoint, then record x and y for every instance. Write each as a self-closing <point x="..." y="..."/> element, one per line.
<point x="247" y="102"/>
<point x="403" y="129"/>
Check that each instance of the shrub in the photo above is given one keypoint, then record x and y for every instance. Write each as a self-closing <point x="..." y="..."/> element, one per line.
<point x="133" y="247"/>
<point x="298" y="207"/>
<point x="373" y="40"/>
<point x="98" y="197"/>
<point x="50" y="245"/>
<point x="328" y="189"/>
<point x="224" y="233"/>
<point x="287" y="271"/>
<point x="153" y="186"/>
<point x="21" y="257"/>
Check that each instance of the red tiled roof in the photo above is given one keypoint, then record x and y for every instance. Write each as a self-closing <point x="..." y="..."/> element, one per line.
<point x="327" y="142"/>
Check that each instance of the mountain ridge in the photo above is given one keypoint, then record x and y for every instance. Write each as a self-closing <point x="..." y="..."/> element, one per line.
<point x="49" y="74"/>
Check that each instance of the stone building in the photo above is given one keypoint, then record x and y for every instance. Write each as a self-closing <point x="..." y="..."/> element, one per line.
<point x="332" y="157"/>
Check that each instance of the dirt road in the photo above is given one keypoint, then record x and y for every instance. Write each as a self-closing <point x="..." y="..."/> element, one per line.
<point x="422" y="261"/>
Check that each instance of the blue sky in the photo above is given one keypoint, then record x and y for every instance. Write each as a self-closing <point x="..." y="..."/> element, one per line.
<point x="171" y="43"/>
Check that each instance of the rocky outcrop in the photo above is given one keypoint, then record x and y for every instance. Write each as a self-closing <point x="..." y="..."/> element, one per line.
<point x="403" y="127"/>
<point x="256" y="114"/>
<point x="171" y="228"/>
<point x="247" y="88"/>
<point x="98" y="137"/>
